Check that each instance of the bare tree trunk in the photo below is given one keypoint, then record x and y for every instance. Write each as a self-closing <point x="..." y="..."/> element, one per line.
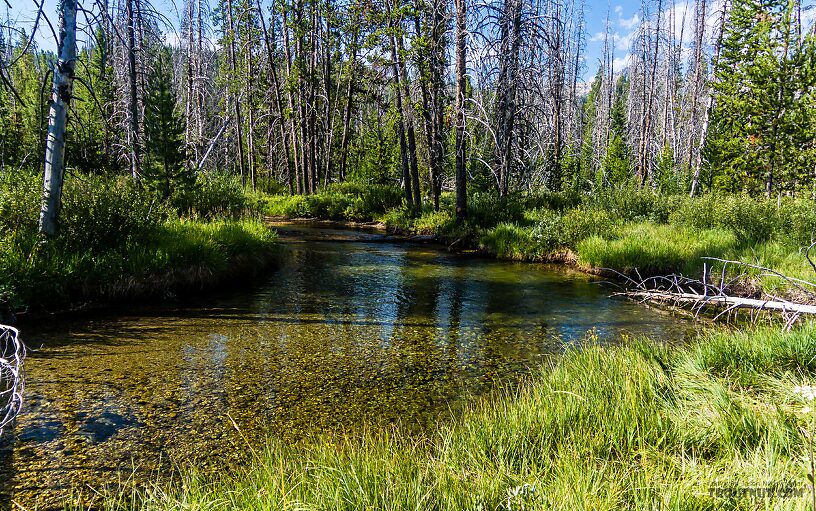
<point x="506" y="93"/>
<point x="270" y="60"/>
<point x="293" y="112"/>
<point x="344" y="142"/>
<point x="461" y="85"/>
<point x="409" y="121"/>
<point x="695" y="181"/>
<point x="699" y="34"/>
<point x="406" y="172"/>
<point x="236" y="105"/>
<point x="644" y="162"/>
<point x="134" y="140"/>
<point x="250" y="129"/>
<point x="57" y="117"/>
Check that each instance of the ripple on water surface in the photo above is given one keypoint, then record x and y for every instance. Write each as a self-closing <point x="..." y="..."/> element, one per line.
<point x="343" y="334"/>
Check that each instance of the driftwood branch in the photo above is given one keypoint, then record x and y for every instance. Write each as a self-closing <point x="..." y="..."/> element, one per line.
<point x="716" y="295"/>
<point x="12" y="353"/>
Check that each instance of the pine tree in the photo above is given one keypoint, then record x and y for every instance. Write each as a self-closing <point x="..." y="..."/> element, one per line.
<point x="762" y="83"/>
<point x="616" y="163"/>
<point x="165" y="170"/>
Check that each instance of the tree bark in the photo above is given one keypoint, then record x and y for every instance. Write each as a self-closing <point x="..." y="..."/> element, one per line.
<point x="406" y="172"/>
<point x="236" y="105"/>
<point x="57" y="118"/>
<point x="409" y="125"/>
<point x="461" y="85"/>
<point x="133" y="100"/>
<point x="506" y="93"/>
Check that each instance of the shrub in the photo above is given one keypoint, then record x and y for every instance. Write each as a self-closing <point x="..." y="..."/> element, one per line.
<point x="396" y="220"/>
<point x="559" y="230"/>
<point x="488" y="209"/>
<point x="434" y="222"/>
<point x="509" y="241"/>
<point x="630" y="203"/>
<point x="215" y="195"/>
<point x="290" y="206"/>
<point x="751" y="220"/>
<point x="797" y="222"/>
<point x="101" y="213"/>
<point x="558" y="201"/>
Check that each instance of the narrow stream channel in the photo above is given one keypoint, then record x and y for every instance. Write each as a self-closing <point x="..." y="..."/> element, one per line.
<point x="349" y="331"/>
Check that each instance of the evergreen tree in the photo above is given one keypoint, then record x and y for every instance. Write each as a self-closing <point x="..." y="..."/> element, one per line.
<point x="616" y="164"/>
<point x="763" y="79"/>
<point x="165" y="166"/>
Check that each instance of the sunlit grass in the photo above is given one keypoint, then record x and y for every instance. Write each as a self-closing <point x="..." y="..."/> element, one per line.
<point x="175" y="255"/>
<point x="633" y="426"/>
<point x="653" y="248"/>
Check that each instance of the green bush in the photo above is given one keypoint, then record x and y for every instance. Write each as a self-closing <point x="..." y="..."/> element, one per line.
<point x="509" y="241"/>
<point x="215" y="195"/>
<point x="797" y="222"/>
<point x="751" y="220"/>
<point x="487" y="210"/>
<point x="558" y="201"/>
<point x="339" y="201"/>
<point x="20" y="194"/>
<point x="102" y="213"/>
<point x="630" y="203"/>
<point x="290" y="206"/>
<point x="372" y="199"/>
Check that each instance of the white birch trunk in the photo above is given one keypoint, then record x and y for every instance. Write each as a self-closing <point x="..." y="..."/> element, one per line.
<point x="57" y="119"/>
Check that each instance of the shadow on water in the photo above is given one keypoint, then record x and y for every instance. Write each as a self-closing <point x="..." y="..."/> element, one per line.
<point x="341" y="336"/>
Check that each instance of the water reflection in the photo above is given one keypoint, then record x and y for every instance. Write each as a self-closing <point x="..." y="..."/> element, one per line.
<point x="343" y="334"/>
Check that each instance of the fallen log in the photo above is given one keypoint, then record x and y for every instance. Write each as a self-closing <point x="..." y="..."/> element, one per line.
<point x="731" y="302"/>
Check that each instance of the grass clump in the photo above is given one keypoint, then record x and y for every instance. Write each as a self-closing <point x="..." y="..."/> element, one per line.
<point x="358" y="202"/>
<point x="655" y="248"/>
<point x="631" y="426"/>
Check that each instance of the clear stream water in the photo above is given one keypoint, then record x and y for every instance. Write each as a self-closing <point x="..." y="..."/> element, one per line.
<point x="350" y="330"/>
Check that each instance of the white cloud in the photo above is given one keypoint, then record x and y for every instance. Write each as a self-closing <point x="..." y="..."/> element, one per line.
<point x="623" y="43"/>
<point x="622" y="62"/>
<point x="629" y="23"/>
<point x="598" y="37"/>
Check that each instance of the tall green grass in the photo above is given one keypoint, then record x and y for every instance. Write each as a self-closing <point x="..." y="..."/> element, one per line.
<point x="634" y="426"/>
<point x="654" y="248"/>
<point x="117" y="240"/>
<point x="339" y="201"/>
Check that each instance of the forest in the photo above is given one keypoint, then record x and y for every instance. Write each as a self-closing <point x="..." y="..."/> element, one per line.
<point x="401" y="112"/>
<point x="464" y="355"/>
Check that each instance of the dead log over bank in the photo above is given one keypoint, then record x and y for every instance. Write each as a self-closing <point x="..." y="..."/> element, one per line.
<point x="719" y="292"/>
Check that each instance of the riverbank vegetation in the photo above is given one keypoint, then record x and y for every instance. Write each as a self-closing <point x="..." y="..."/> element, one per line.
<point x="118" y="241"/>
<point x="622" y="229"/>
<point x="637" y="425"/>
<point x="360" y="113"/>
